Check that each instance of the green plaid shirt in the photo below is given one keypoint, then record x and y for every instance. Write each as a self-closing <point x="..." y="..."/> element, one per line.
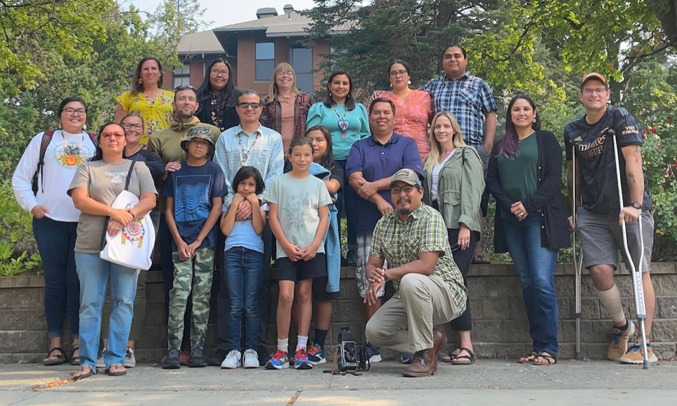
<point x="424" y="230"/>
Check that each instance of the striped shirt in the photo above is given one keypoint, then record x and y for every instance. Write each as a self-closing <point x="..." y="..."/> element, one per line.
<point x="468" y="98"/>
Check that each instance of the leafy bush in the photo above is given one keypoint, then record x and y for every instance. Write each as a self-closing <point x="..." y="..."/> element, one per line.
<point x="18" y="249"/>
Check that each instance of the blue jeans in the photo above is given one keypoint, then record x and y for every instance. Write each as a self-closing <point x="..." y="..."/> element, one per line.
<point x="94" y="274"/>
<point x="535" y="265"/>
<point x="243" y="273"/>
<point x="56" y="241"/>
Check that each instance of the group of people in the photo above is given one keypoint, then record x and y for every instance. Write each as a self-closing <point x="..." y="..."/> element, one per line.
<point x="242" y="179"/>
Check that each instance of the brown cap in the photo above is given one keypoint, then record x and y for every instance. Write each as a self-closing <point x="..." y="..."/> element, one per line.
<point x="407" y="176"/>
<point x="593" y="75"/>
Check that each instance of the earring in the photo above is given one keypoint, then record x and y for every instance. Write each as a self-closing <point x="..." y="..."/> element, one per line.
<point x="329" y="94"/>
<point x="391" y="85"/>
<point x="534" y="120"/>
<point x="139" y="81"/>
<point x="408" y="82"/>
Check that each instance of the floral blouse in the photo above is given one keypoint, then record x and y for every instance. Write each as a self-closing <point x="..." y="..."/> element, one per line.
<point x="156" y="114"/>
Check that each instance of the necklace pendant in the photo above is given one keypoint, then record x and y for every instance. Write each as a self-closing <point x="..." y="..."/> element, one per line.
<point x="344" y="125"/>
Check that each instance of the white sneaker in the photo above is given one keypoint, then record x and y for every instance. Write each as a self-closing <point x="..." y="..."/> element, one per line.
<point x="130" y="359"/>
<point x="251" y="359"/>
<point x="99" y="361"/>
<point x="232" y="361"/>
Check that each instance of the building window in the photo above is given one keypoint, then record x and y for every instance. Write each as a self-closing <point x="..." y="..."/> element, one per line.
<point x="302" y="62"/>
<point x="265" y="61"/>
<point x="182" y="75"/>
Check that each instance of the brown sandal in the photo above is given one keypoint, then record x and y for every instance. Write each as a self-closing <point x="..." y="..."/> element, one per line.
<point x="544" y="359"/>
<point x="528" y="359"/>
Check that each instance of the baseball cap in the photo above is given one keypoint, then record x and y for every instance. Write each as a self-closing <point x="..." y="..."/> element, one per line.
<point x="197" y="132"/>
<point x="407" y="176"/>
<point x="593" y="75"/>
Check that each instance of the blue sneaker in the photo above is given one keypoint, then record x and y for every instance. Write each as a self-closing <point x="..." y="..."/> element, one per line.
<point x="406" y="358"/>
<point x="316" y="355"/>
<point x="301" y="360"/>
<point x="279" y="361"/>
<point x="373" y="353"/>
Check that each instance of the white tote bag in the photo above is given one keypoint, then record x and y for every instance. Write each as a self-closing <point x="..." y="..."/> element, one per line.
<point x="133" y="245"/>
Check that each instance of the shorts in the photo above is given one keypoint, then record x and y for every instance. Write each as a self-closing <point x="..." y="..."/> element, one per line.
<point x="301" y="270"/>
<point x="602" y="239"/>
<point x="320" y="289"/>
<point x="363" y="248"/>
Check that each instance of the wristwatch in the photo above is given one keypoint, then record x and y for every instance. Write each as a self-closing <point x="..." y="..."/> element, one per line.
<point x="385" y="276"/>
<point x="636" y="205"/>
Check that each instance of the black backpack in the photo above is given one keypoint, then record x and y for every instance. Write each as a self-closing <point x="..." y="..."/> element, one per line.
<point x="46" y="139"/>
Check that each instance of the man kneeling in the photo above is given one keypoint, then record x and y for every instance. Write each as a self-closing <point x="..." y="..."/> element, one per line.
<point x="413" y="241"/>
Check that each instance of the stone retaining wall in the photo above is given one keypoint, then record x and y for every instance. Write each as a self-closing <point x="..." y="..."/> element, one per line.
<point x="500" y="326"/>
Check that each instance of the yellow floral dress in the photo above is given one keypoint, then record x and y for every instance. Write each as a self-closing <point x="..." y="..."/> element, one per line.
<point x="155" y="114"/>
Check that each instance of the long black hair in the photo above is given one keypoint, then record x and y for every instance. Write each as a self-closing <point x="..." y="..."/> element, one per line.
<point x="350" y="100"/>
<point x="204" y="92"/>
<point x="98" y="154"/>
<point x="510" y="144"/>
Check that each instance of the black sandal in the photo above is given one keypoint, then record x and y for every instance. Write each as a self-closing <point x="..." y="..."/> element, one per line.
<point x="464" y="359"/>
<point x="547" y="359"/>
<point x="450" y="355"/>
<point x="75" y="359"/>
<point x="58" y="359"/>
<point x="528" y="359"/>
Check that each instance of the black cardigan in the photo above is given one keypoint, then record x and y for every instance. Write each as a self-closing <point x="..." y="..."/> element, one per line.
<point x="548" y="196"/>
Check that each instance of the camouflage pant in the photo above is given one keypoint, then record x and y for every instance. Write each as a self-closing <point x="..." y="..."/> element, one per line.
<point x="192" y="274"/>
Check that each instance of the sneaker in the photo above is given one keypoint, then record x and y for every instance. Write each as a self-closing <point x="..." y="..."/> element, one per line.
<point x="373" y="353"/>
<point x="99" y="361"/>
<point x="280" y="360"/>
<point x="172" y="361"/>
<point x="130" y="359"/>
<point x="301" y="360"/>
<point x="251" y="359"/>
<point x="316" y="354"/>
<point x="197" y="358"/>
<point x="619" y="343"/>
<point x="406" y="358"/>
<point x="233" y="360"/>
<point x="636" y="356"/>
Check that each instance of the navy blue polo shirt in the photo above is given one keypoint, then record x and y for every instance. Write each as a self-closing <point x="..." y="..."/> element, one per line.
<point x="377" y="161"/>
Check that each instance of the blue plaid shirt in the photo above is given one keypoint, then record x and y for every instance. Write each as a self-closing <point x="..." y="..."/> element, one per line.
<point x="263" y="150"/>
<point x="468" y="98"/>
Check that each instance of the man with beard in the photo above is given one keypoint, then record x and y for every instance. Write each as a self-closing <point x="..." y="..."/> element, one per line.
<point x="167" y="143"/>
<point x="371" y="163"/>
<point x="413" y="241"/>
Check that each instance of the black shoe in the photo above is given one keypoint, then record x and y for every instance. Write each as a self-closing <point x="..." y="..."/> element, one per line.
<point x="264" y="357"/>
<point x="197" y="359"/>
<point x="216" y="359"/>
<point x="172" y="361"/>
<point x="351" y="258"/>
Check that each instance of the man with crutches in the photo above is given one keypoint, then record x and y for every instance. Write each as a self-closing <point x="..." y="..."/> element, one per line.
<point x="614" y="213"/>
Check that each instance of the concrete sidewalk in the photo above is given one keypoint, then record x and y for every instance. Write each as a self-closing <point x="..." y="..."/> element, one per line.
<point x="487" y="382"/>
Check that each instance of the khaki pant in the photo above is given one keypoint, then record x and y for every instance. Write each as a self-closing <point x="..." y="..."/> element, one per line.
<point x="405" y="322"/>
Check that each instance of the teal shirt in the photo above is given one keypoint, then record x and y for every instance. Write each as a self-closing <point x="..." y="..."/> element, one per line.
<point x="519" y="176"/>
<point x="358" y="127"/>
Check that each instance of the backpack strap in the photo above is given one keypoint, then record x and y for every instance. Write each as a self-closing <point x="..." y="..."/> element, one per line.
<point x="44" y="143"/>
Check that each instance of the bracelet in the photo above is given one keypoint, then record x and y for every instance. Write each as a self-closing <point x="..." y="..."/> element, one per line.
<point x="130" y="211"/>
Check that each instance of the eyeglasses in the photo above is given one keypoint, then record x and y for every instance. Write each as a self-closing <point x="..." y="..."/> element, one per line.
<point x="284" y="73"/>
<point x="598" y="90"/>
<point x="220" y="73"/>
<point x="74" y="112"/>
<point x="400" y="72"/>
<point x="246" y="105"/>
<point x="132" y="126"/>
<point x="407" y="189"/>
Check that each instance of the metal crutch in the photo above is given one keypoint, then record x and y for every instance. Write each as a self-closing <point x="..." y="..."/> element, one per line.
<point x="636" y="273"/>
<point x="577" y="258"/>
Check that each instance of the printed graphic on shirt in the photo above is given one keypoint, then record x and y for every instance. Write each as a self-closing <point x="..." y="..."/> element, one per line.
<point x="71" y="155"/>
<point x="192" y="198"/>
<point x="117" y="177"/>
<point x="297" y="211"/>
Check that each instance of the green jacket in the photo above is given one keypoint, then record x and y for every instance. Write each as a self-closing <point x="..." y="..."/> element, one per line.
<point x="459" y="190"/>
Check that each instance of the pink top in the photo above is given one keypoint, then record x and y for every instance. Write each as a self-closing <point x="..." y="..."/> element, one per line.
<point x="412" y="117"/>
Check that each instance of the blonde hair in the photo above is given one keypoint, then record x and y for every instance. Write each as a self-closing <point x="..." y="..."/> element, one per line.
<point x="435" y="148"/>
<point x="274" y="90"/>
